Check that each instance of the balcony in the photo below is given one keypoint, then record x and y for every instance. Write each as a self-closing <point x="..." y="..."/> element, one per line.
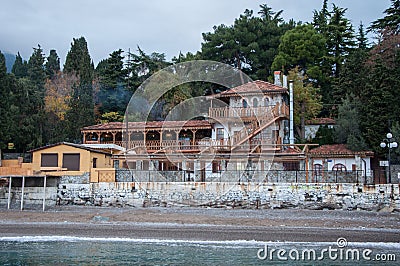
<point x="181" y="145"/>
<point x="250" y="112"/>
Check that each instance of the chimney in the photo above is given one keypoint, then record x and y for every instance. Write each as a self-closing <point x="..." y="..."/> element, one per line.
<point x="285" y="82"/>
<point x="277" y="78"/>
<point x="291" y="113"/>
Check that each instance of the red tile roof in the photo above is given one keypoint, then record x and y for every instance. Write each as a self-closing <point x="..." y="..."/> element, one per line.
<point x="254" y="87"/>
<point x="198" y="124"/>
<point x="321" y="121"/>
<point x="337" y="150"/>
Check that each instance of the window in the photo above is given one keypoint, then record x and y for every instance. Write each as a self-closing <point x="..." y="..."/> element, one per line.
<point x="339" y="167"/>
<point x="255" y="102"/>
<point x="317" y="168"/>
<point x="291" y="166"/>
<point x="220" y="133"/>
<point x="190" y="166"/>
<point x="146" y="165"/>
<point x="266" y="101"/>
<point x="245" y="105"/>
<point x="216" y="167"/>
<point x="71" y="161"/>
<point x="131" y="165"/>
<point x="49" y="160"/>
<point x="94" y="162"/>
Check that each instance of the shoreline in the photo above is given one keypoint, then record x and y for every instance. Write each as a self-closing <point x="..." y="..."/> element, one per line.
<point x="203" y="224"/>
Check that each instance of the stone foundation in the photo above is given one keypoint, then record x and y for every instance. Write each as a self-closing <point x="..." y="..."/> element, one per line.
<point x="233" y="195"/>
<point x="33" y="197"/>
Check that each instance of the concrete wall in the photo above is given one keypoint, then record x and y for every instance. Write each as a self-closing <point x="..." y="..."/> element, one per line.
<point x="233" y="195"/>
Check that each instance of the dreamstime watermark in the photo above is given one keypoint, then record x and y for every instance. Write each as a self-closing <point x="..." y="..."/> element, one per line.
<point x="339" y="252"/>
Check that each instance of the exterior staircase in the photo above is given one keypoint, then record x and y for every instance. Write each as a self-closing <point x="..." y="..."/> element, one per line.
<point x="263" y="121"/>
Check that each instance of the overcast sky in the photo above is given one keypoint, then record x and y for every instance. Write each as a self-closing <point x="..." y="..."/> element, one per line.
<point x="164" y="26"/>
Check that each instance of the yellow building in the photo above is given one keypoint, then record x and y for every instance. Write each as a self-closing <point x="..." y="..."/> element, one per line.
<point x="68" y="159"/>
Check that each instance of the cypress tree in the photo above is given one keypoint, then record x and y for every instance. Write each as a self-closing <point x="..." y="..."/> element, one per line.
<point x="52" y="64"/>
<point x="81" y="104"/>
<point x="20" y="67"/>
<point x="28" y="103"/>
<point x="5" y="101"/>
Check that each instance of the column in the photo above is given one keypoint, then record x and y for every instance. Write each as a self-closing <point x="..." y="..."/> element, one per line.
<point x="129" y="139"/>
<point x="194" y="137"/>
<point x="196" y="167"/>
<point x="9" y="193"/>
<point x="22" y="192"/>
<point x="177" y="140"/>
<point x="44" y="192"/>
<point x="98" y="136"/>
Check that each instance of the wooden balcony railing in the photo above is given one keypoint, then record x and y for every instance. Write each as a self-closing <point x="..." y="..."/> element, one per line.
<point x="265" y="117"/>
<point x="186" y="145"/>
<point x="228" y="112"/>
<point x="202" y="145"/>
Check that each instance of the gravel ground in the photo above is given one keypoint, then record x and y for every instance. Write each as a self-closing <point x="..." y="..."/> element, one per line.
<point x="204" y="224"/>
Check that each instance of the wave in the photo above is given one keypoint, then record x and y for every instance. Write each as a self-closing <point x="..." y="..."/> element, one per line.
<point x="223" y="243"/>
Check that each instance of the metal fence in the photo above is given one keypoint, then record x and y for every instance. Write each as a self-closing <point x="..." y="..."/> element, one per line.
<point x="255" y="176"/>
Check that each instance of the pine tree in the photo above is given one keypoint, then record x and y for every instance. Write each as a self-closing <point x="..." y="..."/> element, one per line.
<point x="321" y="18"/>
<point x="250" y="44"/>
<point x="381" y="95"/>
<point x="340" y="38"/>
<point x="353" y="76"/>
<point x="391" y="22"/>
<point x="112" y="95"/>
<point x="339" y="35"/>
<point x="347" y="126"/>
<point x="301" y="47"/>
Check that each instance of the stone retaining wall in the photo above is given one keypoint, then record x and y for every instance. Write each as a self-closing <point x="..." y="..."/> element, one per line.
<point x="233" y="195"/>
<point x="32" y="196"/>
<point x="271" y="176"/>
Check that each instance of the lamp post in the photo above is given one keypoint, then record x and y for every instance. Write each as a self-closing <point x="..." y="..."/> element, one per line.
<point x="390" y="143"/>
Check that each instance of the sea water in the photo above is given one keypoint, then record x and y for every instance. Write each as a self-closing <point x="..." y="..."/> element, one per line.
<point x="59" y="250"/>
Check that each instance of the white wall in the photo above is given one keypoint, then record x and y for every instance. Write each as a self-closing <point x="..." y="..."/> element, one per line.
<point x="236" y="102"/>
<point x="348" y="162"/>
<point x="214" y="131"/>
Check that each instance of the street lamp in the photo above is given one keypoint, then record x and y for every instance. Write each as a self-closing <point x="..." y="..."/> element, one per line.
<point x="391" y="143"/>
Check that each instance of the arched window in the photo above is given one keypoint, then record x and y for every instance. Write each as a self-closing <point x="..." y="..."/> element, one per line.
<point x="244" y="103"/>
<point x="339" y="167"/>
<point x="255" y="102"/>
<point x="317" y="168"/>
<point x="266" y="101"/>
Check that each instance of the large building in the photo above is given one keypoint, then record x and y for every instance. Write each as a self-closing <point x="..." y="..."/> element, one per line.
<point x="246" y="127"/>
